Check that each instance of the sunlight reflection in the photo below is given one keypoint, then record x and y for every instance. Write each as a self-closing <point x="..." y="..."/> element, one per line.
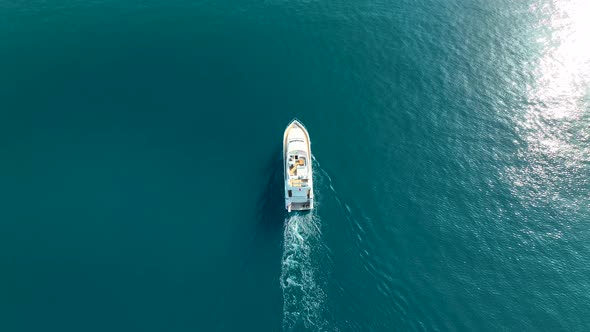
<point x="556" y="125"/>
<point x="564" y="69"/>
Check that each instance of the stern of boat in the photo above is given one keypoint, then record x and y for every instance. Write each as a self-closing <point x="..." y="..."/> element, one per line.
<point x="299" y="206"/>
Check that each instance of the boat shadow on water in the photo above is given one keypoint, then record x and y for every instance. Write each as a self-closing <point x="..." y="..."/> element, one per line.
<point x="271" y="212"/>
<point x="257" y="275"/>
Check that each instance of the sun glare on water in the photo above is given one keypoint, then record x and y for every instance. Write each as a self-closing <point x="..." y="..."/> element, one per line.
<point x="556" y="123"/>
<point x="563" y="73"/>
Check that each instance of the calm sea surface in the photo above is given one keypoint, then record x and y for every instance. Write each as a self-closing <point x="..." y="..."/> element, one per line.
<point x="141" y="176"/>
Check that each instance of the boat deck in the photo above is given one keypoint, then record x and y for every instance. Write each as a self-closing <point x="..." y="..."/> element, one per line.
<point x="293" y="169"/>
<point x="300" y="206"/>
<point x="298" y="182"/>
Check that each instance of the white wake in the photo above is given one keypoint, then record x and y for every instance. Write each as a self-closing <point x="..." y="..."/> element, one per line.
<point x="303" y="297"/>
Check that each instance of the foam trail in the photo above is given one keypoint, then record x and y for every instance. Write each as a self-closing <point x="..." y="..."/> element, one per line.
<point x="304" y="266"/>
<point x="303" y="297"/>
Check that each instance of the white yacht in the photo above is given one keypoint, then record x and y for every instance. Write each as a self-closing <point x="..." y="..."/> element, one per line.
<point x="298" y="172"/>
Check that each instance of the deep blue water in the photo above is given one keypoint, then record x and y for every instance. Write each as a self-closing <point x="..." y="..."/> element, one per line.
<point x="140" y="165"/>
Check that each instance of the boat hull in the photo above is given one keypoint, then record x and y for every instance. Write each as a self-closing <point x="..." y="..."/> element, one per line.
<point x="298" y="172"/>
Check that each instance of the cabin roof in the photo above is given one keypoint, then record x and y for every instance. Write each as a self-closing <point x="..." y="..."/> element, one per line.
<point x="295" y="146"/>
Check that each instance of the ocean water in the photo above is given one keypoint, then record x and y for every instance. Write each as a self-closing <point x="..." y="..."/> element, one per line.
<point x="140" y="165"/>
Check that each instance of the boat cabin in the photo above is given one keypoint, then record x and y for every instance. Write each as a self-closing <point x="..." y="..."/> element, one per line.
<point x="298" y="170"/>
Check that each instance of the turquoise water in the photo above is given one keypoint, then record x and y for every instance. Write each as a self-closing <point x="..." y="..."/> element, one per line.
<point x="140" y="165"/>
